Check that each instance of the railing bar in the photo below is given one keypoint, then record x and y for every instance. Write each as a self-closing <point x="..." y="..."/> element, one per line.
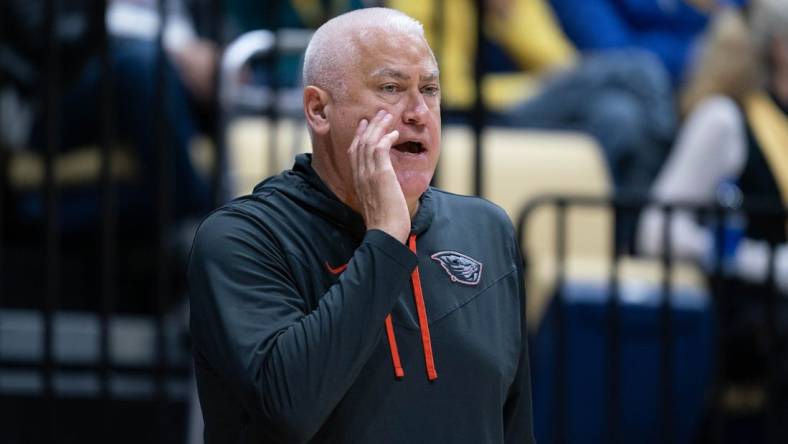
<point x="273" y="106"/>
<point x="219" y="137"/>
<point x="720" y="289"/>
<point x="107" y="246"/>
<point x="560" y="420"/>
<point x="51" y="101"/>
<point x="613" y="336"/>
<point x="666" y="333"/>
<point x="478" y="112"/>
<point x="164" y="206"/>
<point x="772" y="422"/>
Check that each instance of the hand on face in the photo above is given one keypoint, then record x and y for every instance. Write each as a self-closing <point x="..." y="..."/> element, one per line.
<point x="379" y="194"/>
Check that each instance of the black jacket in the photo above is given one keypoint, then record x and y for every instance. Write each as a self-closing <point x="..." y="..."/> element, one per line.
<point x="289" y="297"/>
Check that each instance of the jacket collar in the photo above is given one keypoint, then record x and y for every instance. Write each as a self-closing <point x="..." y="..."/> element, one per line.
<point x="323" y="200"/>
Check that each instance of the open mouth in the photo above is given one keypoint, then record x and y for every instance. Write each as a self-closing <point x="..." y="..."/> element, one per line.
<point x="410" y="147"/>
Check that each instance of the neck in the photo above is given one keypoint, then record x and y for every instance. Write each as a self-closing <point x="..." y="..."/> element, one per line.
<point x="413" y="208"/>
<point x="327" y="172"/>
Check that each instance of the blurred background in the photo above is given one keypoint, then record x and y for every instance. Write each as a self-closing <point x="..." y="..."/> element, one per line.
<point x="639" y="146"/>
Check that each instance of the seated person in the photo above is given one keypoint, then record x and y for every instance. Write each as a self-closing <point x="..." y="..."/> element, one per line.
<point x="734" y="137"/>
<point x="133" y="75"/>
<point x="623" y="99"/>
<point x="667" y="29"/>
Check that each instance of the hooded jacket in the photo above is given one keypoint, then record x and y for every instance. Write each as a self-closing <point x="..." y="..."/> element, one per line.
<point x="306" y="327"/>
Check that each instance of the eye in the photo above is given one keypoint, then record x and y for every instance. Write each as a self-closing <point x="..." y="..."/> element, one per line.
<point x="389" y="88"/>
<point x="431" y="90"/>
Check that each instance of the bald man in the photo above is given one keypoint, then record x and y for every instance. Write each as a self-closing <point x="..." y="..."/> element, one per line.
<point x="347" y="301"/>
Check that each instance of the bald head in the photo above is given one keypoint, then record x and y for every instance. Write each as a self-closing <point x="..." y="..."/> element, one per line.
<point x="334" y="46"/>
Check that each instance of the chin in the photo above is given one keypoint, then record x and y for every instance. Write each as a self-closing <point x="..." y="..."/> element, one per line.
<point x="413" y="183"/>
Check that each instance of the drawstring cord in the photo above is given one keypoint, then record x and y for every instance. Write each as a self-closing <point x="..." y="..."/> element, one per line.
<point x="398" y="371"/>
<point x="421" y="310"/>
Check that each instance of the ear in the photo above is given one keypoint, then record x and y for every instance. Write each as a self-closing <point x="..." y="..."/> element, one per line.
<point x="316" y="104"/>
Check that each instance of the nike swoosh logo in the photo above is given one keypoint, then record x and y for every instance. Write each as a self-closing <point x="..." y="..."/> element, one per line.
<point x="337" y="270"/>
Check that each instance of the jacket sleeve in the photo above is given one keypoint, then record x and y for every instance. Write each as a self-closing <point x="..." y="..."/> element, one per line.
<point x="517" y="412"/>
<point x="288" y="364"/>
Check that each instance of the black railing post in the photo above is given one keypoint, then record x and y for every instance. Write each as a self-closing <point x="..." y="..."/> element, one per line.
<point x="772" y="423"/>
<point x="51" y="100"/>
<point x="721" y="308"/>
<point x="216" y="34"/>
<point x="165" y="200"/>
<point x="666" y="333"/>
<point x="560" y="420"/>
<point x="437" y="24"/>
<point x="4" y="188"/>
<point x="273" y="110"/>
<point x="107" y="245"/>
<point x="478" y="112"/>
<point x="613" y="336"/>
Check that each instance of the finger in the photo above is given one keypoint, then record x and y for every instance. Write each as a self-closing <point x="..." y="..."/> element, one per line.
<point x="376" y="128"/>
<point x="382" y="157"/>
<point x="353" y="150"/>
<point x="358" y="138"/>
<point x="354" y="144"/>
<point x="371" y="123"/>
<point x="375" y="135"/>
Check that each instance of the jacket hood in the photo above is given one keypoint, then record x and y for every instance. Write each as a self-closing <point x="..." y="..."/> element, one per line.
<point x="303" y="185"/>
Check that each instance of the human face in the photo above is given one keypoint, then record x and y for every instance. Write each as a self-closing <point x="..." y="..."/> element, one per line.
<point x="396" y="73"/>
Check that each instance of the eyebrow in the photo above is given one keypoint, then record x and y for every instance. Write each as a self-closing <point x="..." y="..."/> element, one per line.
<point x="389" y="72"/>
<point x="430" y="77"/>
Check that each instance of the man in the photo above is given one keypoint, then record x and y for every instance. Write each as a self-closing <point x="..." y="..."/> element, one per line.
<point x="312" y="319"/>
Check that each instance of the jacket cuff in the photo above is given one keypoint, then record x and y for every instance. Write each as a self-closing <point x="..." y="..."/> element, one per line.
<point x="392" y="248"/>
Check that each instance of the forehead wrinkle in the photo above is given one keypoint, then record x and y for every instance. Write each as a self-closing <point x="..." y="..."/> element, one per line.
<point x="390" y="72"/>
<point x="397" y="74"/>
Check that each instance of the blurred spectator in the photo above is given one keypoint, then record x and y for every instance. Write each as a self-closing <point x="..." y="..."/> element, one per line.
<point x="738" y="89"/>
<point x="133" y="69"/>
<point x="622" y="98"/>
<point x="733" y="141"/>
<point x="195" y="57"/>
<point x="666" y="28"/>
<point x="521" y="36"/>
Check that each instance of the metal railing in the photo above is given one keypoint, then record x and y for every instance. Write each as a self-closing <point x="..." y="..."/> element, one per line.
<point x="50" y="353"/>
<point x="53" y="354"/>
<point x="719" y="423"/>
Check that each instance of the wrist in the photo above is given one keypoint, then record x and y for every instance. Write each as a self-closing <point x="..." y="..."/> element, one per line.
<point x="398" y="233"/>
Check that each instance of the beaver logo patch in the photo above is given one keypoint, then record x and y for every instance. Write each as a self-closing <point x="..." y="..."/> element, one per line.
<point x="461" y="268"/>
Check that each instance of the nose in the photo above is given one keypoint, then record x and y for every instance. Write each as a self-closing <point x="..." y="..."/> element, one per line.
<point x="416" y="110"/>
